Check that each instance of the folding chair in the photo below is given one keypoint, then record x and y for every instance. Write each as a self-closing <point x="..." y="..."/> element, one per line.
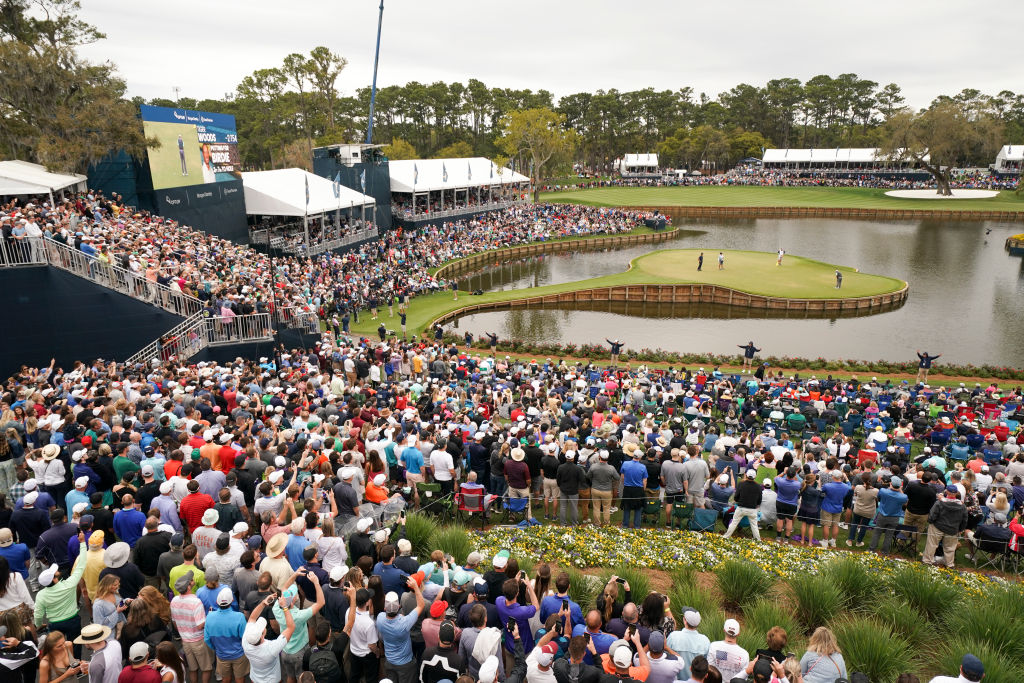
<point x="651" y="511"/>
<point x="432" y="502"/>
<point x="703" y="520"/>
<point x="903" y="541"/>
<point x="681" y="516"/>
<point x="516" y="509"/>
<point x="993" y="541"/>
<point x="471" y="502"/>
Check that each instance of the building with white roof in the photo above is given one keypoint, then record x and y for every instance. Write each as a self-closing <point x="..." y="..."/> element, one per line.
<point x="837" y="159"/>
<point x="1010" y="159"/>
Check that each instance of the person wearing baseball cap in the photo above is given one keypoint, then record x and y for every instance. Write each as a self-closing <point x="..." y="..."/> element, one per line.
<point x="265" y="655"/>
<point x="688" y="643"/>
<point x="730" y="658"/>
<point x="891" y="502"/>
<point x="946" y="521"/>
<point x="57" y="601"/>
<point x="971" y="669"/>
<point x="138" y="669"/>
<point x="443" y="661"/>
<point x="618" y="661"/>
<point x="748" y="502"/>
<point x="295" y="648"/>
<point x="394" y="628"/>
<point x="224" y="630"/>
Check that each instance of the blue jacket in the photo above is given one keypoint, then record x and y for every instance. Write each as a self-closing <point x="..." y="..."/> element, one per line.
<point x="223" y="633"/>
<point x="128" y="525"/>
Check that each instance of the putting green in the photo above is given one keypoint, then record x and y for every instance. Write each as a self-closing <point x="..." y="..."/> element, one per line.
<point x="753" y="272"/>
<point x="842" y="197"/>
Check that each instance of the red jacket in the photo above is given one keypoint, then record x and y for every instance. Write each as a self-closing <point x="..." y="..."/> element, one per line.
<point x="192" y="508"/>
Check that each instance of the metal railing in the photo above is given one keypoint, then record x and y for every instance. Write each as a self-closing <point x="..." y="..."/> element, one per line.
<point x="292" y="243"/>
<point x="182" y="341"/>
<point x="298" y="319"/>
<point x="120" y="279"/>
<point x="27" y="251"/>
<point x="458" y="211"/>
<point x="238" y="329"/>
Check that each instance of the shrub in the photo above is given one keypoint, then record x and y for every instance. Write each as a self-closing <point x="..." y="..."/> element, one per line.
<point x="760" y="616"/>
<point x="817" y="600"/>
<point x="871" y="647"/>
<point x="931" y="598"/>
<point x="685" y="592"/>
<point x="989" y="622"/>
<point x="853" y="581"/>
<point x="711" y="623"/>
<point x="583" y="588"/>
<point x="741" y="582"/>
<point x="453" y="540"/>
<point x="998" y="667"/>
<point x="638" y="579"/>
<point x="904" y="621"/>
<point x="418" y="530"/>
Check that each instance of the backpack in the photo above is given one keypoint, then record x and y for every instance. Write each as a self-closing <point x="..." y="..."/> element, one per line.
<point x="324" y="666"/>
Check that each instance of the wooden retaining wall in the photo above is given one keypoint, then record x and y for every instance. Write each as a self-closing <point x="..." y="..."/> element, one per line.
<point x="830" y="212"/>
<point x="694" y="293"/>
<point x="485" y="258"/>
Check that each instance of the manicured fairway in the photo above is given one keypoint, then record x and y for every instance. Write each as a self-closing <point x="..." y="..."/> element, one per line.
<point x="747" y="271"/>
<point x="850" y="197"/>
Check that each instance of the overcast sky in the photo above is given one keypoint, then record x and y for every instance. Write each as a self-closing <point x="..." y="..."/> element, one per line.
<point x="929" y="48"/>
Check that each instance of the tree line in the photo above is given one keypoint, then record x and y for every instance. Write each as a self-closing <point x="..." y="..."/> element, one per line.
<point x="49" y="97"/>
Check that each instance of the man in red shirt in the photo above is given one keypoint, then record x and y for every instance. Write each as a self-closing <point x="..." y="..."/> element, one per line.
<point x="138" y="669"/>
<point x="227" y="454"/>
<point x="193" y="506"/>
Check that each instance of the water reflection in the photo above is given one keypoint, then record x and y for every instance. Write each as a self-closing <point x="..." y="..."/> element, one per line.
<point x="965" y="293"/>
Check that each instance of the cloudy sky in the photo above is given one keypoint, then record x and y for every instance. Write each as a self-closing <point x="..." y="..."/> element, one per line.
<point x="207" y="46"/>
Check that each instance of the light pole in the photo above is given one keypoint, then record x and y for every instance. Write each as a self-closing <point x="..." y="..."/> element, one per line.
<point x="373" y="88"/>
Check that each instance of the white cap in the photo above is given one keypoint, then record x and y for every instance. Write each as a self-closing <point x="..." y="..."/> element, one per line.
<point x="147" y="470"/>
<point x="723" y="478"/>
<point x="337" y="573"/>
<point x="30" y="497"/>
<point x="363" y="524"/>
<point x="46" y="576"/>
<point x="488" y="670"/>
<point x="166" y="487"/>
<point x="254" y="631"/>
<point x="623" y="657"/>
<point x="275" y="477"/>
<point x="751" y="474"/>
<point x="391" y="603"/>
<point x="731" y="627"/>
<point x="79" y="508"/>
<point x="225" y="596"/>
<point x="30" y="485"/>
<point x="239" y="528"/>
<point x="81" y="482"/>
<point x="692" y="618"/>
<point x="379" y="480"/>
<point x="348" y="472"/>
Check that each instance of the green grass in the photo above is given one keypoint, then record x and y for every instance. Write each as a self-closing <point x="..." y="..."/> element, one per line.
<point x="931" y="598"/>
<point x="583" y="588"/>
<point x="754" y="272"/>
<point x="905" y="621"/>
<point x="741" y="583"/>
<point x="761" y="616"/>
<point x="638" y="580"/>
<point x="418" y="530"/>
<point x="854" y="582"/>
<point x="846" y="197"/>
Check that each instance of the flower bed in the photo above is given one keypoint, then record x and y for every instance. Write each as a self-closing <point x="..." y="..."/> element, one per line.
<point x="667" y="550"/>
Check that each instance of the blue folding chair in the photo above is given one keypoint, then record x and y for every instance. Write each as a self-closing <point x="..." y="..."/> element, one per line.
<point x="515" y="508"/>
<point x="703" y="520"/>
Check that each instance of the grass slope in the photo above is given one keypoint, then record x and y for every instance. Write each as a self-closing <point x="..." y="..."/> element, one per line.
<point x="748" y="271"/>
<point x="849" y="197"/>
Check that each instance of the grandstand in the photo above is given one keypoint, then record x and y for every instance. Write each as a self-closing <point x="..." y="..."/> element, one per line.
<point x="638" y="166"/>
<point x="424" y="190"/>
<point x="841" y="160"/>
<point x="1009" y="160"/>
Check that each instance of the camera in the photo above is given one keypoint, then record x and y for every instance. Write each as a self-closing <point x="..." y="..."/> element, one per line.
<point x="565" y="604"/>
<point x="620" y="580"/>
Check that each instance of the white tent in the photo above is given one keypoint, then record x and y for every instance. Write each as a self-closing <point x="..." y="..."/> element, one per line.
<point x="283" y="193"/>
<point x="431" y="175"/>
<point x="23" y="177"/>
<point x="1010" y="158"/>
<point x="834" y="156"/>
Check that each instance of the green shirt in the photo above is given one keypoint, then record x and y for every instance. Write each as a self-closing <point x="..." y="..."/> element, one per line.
<point x="59" y="601"/>
<point x="124" y="464"/>
<point x="300" y="638"/>
<point x="198" y="576"/>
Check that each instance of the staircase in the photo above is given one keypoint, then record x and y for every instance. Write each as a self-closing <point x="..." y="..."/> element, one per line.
<point x="189" y="337"/>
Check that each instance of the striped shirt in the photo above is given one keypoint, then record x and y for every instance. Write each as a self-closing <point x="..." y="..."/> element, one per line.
<point x="189" y="616"/>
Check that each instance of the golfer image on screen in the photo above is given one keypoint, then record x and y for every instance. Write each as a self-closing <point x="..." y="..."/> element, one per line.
<point x="181" y="155"/>
<point x="209" y="175"/>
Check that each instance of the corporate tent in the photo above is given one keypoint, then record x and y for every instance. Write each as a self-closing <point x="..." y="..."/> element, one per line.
<point x="285" y="217"/>
<point x="448" y="186"/>
<point x="838" y="158"/>
<point x="19" y="178"/>
<point x="638" y="164"/>
<point x="1010" y="159"/>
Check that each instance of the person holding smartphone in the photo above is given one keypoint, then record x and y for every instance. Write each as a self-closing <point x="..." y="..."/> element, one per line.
<point x="553" y="604"/>
<point x="510" y="609"/>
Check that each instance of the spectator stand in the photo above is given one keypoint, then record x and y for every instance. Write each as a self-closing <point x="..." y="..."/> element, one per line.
<point x="427" y="190"/>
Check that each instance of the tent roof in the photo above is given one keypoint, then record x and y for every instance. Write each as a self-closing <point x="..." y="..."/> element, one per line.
<point x="1011" y="153"/>
<point x="23" y="177"/>
<point x="840" y="155"/>
<point x="423" y="175"/>
<point x="283" y="193"/>
<point x="640" y="160"/>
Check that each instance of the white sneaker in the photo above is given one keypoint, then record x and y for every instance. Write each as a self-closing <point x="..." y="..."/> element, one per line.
<point x="833" y="542"/>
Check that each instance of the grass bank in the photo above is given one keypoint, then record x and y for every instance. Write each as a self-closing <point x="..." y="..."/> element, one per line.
<point x="842" y="197"/>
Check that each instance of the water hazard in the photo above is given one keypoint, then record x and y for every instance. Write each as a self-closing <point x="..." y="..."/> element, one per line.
<point x="966" y="293"/>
